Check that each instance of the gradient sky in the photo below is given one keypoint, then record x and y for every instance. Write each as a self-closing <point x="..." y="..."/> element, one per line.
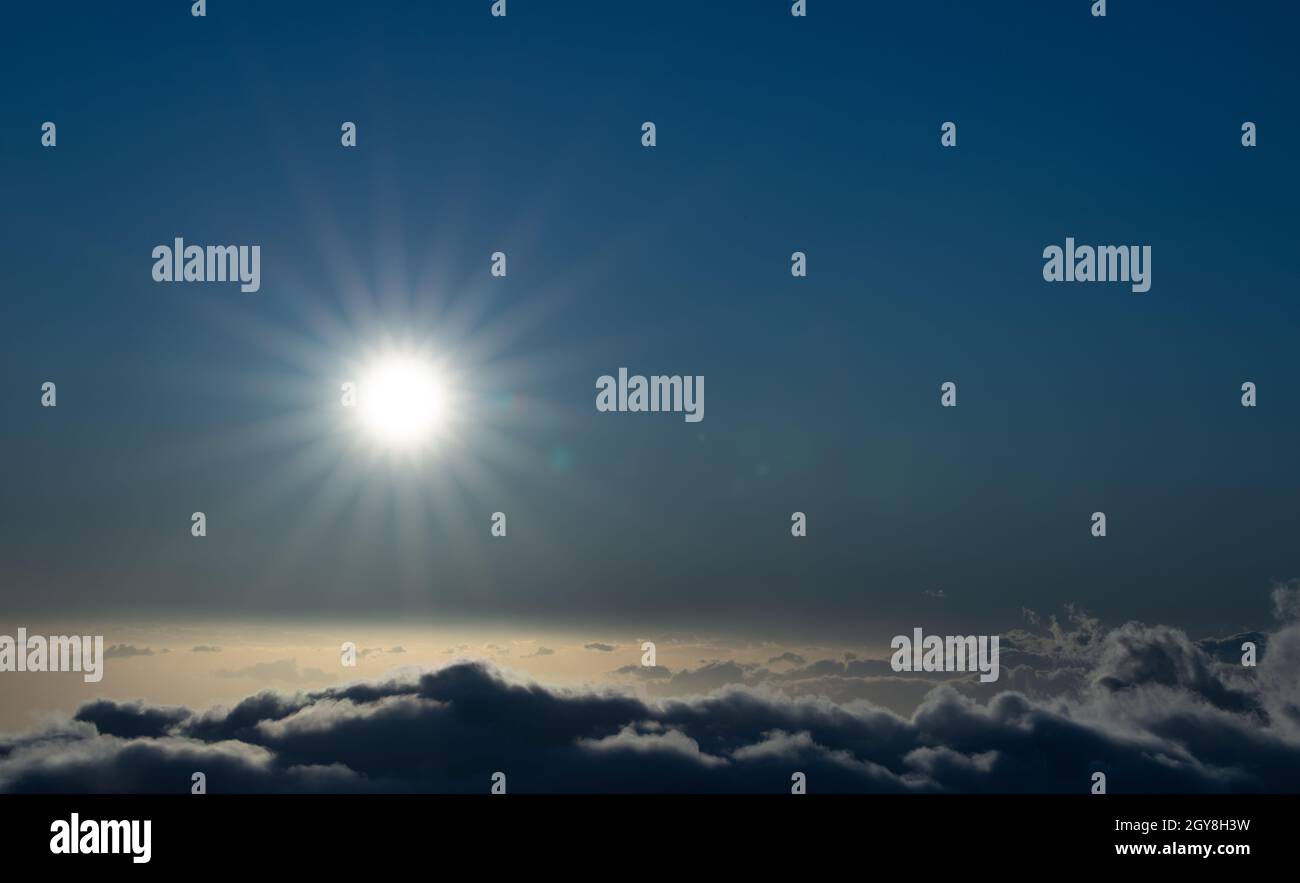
<point x="775" y="135"/>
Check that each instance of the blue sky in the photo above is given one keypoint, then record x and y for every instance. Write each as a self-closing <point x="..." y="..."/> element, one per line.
<point x="775" y="134"/>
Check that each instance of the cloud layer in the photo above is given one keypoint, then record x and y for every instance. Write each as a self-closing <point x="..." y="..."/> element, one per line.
<point x="1154" y="710"/>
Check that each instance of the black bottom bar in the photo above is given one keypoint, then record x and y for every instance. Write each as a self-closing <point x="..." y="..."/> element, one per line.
<point x="653" y="835"/>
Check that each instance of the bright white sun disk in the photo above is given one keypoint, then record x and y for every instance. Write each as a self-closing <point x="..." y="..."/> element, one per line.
<point x="401" y="401"/>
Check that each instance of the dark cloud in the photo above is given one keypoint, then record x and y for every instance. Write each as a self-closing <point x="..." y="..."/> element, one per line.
<point x="792" y="658"/>
<point x="645" y="672"/>
<point x="205" y="648"/>
<point x="709" y="676"/>
<point x="1135" y="655"/>
<point x="1229" y="649"/>
<point x="603" y="648"/>
<point x="541" y="651"/>
<point x="122" y="651"/>
<point x="130" y="720"/>
<point x="1155" y="711"/>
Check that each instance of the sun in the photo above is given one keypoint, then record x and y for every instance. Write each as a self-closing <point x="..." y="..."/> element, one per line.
<point x="402" y="401"/>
